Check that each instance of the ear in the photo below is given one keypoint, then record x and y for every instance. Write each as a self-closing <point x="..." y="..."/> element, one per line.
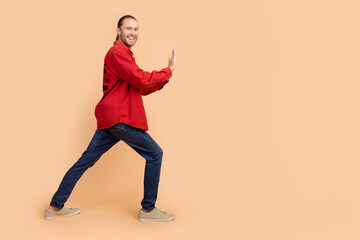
<point x="118" y="31"/>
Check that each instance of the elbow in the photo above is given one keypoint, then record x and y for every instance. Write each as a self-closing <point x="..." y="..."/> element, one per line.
<point x="140" y="83"/>
<point x="144" y="92"/>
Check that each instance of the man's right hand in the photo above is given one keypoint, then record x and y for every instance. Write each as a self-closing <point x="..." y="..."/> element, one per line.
<point x="172" y="61"/>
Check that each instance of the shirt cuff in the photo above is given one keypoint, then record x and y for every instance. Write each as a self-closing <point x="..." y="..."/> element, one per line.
<point x="168" y="72"/>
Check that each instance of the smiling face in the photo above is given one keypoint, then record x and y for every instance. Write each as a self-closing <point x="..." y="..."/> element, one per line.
<point x="128" y="32"/>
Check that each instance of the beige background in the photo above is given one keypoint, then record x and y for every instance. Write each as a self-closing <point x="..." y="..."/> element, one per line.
<point x="259" y="124"/>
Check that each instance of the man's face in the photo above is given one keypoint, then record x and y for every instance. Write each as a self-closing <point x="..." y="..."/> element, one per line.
<point x="128" y="32"/>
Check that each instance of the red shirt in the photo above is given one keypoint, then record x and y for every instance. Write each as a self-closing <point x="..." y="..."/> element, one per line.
<point x="124" y="83"/>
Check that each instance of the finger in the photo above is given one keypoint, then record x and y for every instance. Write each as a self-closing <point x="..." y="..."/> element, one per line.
<point x="173" y="55"/>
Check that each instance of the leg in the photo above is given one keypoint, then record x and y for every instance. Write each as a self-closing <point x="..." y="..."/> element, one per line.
<point x="100" y="143"/>
<point x="143" y="144"/>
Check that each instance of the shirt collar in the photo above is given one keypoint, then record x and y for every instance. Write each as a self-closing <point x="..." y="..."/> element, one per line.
<point x="122" y="45"/>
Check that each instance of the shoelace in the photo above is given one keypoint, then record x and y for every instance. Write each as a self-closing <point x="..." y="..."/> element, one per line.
<point x="161" y="211"/>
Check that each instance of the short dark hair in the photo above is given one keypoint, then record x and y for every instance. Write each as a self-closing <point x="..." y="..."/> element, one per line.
<point x="121" y="21"/>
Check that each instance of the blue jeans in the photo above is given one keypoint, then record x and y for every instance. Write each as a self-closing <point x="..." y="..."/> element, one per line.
<point x="102" y="141"/>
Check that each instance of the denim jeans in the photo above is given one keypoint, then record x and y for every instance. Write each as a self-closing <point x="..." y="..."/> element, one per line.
<point x="102" y="141"/>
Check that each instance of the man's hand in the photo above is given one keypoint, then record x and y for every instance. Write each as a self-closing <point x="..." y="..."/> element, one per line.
<point x="172" y="61"/>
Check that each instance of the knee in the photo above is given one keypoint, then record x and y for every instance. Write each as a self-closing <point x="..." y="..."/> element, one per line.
<point x="156" y="156"/>
<point x="159" y="153"/>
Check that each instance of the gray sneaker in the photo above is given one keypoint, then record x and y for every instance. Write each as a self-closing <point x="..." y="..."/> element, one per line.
<point x="155" y="215"/>
<point x="51" y="214"/>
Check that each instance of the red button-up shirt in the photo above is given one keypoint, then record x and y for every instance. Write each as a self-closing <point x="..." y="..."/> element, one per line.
<point x="124" y="83"/>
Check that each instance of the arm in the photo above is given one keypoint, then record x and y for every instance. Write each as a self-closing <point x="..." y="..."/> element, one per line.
<point x="126" y="69"/>
<point x="147" y="91"/>
<point x="172" y="63"/>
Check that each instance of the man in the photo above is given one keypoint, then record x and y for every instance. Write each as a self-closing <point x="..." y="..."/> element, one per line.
<point x="120" y="115"/>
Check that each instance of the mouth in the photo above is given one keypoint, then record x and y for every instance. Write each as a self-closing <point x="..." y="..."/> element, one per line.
<point x="131" y="38"/>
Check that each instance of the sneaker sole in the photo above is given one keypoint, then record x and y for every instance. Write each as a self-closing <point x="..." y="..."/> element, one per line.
<point x="64" y="215"/>
<point x="156" y="220"/>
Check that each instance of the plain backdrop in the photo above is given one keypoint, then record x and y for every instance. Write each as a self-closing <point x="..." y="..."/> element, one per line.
<point x="259" y="123"/>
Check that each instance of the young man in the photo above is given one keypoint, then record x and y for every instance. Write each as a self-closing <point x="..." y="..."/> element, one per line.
<point x="120" y="115"/>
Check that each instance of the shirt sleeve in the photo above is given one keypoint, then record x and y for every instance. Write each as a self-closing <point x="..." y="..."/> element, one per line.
<point x="127" y="70"/>
<point x="147" y="91"/>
